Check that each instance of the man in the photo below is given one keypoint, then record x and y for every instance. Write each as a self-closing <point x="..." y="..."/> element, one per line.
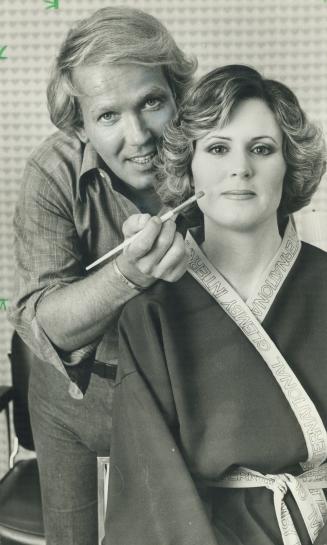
<point x="115" y="84"/>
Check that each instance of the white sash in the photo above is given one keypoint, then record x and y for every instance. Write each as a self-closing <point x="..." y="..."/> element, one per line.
<point x="313" y="504"/>
<point x="306" y="490"/>
<point x="274" y="275"/>
<point x="306" y="413"/>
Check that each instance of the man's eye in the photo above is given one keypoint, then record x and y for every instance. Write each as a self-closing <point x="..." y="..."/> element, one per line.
<point x="218" y="149"/>
<point x="262" y="150"/>
<point x="152" y="102"/>
<point x="108" y="116"/>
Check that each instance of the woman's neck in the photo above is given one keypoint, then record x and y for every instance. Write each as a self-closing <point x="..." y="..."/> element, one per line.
<point x="242" y="256"/>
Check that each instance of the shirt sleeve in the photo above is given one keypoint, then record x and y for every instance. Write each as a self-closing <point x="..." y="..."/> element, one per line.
<point x="152" y="497"/>
<point x="48" y="256"/>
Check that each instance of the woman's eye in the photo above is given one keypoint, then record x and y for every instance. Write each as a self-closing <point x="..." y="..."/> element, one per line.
<point x="218" y="149"/>
<point x="262" y="150"/>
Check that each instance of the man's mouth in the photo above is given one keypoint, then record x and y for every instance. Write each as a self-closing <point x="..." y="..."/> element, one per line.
<point x="143" y="159"/>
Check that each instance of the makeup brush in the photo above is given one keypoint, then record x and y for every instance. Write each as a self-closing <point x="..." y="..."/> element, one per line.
<point x="168" y="215"/>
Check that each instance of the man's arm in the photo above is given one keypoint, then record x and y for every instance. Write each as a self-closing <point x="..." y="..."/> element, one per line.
<point x="79" y="313"/>
<point x="56" y="306"/>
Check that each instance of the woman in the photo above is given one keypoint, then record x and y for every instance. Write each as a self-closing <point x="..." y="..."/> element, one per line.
<point x="220" y="414"/>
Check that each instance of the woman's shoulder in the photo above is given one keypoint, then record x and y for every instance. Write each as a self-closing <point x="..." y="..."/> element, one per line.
<point x="313" y="256"/>
<point x="310" y="270"/>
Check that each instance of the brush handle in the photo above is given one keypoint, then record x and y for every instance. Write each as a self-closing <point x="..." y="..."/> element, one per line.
<point x="164" y="217"/>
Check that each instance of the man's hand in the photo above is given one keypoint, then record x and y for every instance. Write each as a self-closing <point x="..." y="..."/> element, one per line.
<point x="158" y="252"/>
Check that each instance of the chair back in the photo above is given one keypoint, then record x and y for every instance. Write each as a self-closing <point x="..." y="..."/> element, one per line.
<point x="21" y="359"/>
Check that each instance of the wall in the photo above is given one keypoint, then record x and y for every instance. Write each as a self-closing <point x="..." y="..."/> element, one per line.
<point x="287" y="39"/>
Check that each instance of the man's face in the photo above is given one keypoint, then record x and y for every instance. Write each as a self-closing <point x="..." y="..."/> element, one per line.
<point x="125" y="108"/>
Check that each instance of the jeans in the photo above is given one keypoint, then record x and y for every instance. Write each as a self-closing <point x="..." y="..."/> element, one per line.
<point x="69" y="434"/>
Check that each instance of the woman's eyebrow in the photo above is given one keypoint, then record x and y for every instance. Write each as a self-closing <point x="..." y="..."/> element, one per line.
<point x="264" y="136"/>
<point x="253" y="139"/>
<point x="215" y="136"/>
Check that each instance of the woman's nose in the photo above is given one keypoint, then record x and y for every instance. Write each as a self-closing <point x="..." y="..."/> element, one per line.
<point x="241" y="172"/>
<point x="241" y="166"/>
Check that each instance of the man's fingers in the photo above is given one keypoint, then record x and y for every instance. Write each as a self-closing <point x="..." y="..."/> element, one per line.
<point x="157" y="252"/>
<point x="145" y="241"/>
<point x="134" y="224"/>
<point x="160" y="247"/>
<point x="173" y="258"/>
<point x="165" y="238"/>
<point x="173" y="264"/>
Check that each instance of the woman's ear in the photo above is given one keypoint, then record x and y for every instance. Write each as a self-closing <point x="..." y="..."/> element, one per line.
<point x="190" y="179"/>
<point x="186" y="185"/>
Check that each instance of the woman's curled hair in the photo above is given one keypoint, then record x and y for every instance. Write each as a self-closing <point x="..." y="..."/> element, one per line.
<point x="210" y="102"/>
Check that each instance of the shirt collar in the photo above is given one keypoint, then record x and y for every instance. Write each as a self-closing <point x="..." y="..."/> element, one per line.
<point x="91" y="162"/>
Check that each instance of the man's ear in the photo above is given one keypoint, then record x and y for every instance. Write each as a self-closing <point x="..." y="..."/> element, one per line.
<point x="82" y="135"/>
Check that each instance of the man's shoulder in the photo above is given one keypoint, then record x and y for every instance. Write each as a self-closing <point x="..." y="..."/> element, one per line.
<point x="58" y="149"/>
<point x="54" y="166"/>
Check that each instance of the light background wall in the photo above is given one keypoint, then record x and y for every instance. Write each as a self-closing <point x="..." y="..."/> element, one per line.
<point x="286" y="39"/>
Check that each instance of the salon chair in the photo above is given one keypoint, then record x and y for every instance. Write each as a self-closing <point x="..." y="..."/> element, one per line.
<point x="21" y="520"/>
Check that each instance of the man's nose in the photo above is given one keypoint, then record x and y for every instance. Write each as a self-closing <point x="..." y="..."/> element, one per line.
<point x="136" y="131"/>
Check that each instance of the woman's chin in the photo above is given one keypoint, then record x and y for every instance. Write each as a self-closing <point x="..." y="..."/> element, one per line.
<point x="235" y="222"/>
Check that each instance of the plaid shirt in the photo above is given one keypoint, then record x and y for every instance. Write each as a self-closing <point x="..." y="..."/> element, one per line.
<point x="68" y="214"/>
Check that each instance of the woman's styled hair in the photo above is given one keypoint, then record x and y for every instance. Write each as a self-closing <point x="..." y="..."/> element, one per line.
<point x="211" y="101"/>
<point x="113" y="35"/>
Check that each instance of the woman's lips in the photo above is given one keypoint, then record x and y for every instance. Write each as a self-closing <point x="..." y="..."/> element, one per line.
<point x="239" y="194"/>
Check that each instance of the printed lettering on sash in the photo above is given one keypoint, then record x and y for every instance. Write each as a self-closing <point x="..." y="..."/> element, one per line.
<point x="248" y="321"/>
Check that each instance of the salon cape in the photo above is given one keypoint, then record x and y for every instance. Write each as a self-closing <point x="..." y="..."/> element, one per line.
<point x="221" y="408"/>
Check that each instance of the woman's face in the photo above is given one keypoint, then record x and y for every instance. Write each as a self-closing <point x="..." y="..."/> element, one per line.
<point x="241" y="168"/>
